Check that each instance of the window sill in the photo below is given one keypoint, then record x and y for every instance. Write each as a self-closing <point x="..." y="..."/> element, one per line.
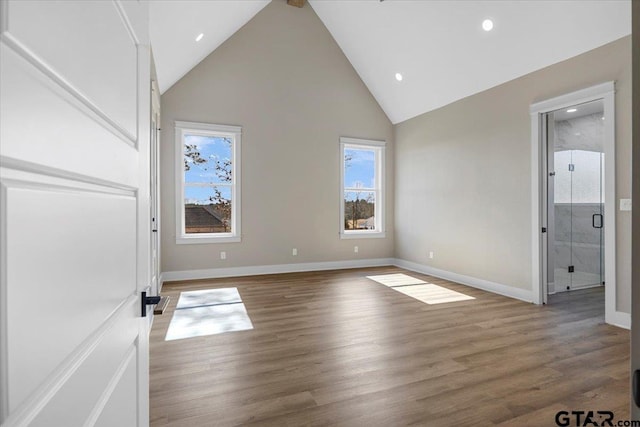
<point x="363" y="235"/>
<point x="206" y="239"/>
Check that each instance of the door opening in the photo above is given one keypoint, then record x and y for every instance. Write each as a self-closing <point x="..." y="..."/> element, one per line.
<point x="574" y="208"/>
<point x="566" y="181"/>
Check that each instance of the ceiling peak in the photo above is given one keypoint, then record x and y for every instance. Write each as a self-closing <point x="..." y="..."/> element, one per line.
<point x="296" y="3"/>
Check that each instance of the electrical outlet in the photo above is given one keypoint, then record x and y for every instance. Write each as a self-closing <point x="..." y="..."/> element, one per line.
<point x="355" y="249"/>
<point x="223" y="255"/>
<point x="294" y="251"/>
<point x="431" y="254"/>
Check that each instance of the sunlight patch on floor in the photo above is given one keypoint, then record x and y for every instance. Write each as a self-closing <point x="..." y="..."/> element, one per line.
<point x="398" y="279"/>
<point x="208" y="312"/>
<point x="419" y="289"/>
<point x="208" y="297"/>
<point x="433" y="294"/>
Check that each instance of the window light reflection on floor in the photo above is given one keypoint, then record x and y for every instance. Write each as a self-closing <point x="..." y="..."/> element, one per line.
<point x="419" y="289"/>
<point x="208" y="312"/>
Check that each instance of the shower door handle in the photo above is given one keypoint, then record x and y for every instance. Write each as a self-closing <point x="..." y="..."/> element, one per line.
<point x="593" y="220"/>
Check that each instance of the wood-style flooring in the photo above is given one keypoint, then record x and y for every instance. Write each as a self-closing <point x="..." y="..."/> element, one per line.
<point x="337" y="349"/>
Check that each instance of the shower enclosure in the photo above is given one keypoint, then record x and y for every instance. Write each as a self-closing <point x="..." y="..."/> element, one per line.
<point x="575" y="199"/>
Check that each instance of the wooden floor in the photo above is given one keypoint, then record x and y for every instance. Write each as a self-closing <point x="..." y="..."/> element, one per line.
<point x="337" y="349"/>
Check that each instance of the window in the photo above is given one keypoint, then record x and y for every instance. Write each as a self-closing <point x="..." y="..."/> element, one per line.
<point x="207" y="183"/>
<point x="362" y="195"/>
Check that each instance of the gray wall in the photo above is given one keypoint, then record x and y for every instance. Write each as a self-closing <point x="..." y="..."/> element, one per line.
<point x="463" y="173"/>
<point x="283" y="79"/>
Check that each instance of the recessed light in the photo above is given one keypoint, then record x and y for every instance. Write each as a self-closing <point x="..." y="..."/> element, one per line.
<point x="487" y="25"/>
<point x="399" y="77"/>
<point x="200" y="36"/>
<point x="572" y="110"/>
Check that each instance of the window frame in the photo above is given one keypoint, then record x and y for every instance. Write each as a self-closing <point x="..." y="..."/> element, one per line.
<point x="379" y="148"/>
<point x="209" y="130"/>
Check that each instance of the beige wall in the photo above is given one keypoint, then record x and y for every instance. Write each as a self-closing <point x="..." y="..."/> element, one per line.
<point x="463" y="173"/>
<point x="283" y="79"/>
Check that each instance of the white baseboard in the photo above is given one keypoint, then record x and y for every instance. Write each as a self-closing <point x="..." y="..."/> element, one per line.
<point x="485" y="285"/>
<point x="213" y="273"/>
<point x="619" y="319"/>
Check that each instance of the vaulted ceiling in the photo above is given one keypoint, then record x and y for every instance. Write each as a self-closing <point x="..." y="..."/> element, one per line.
<point x="439" y="47"/>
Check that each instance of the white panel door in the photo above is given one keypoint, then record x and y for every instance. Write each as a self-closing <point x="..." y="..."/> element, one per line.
<point x="74" y="209"/>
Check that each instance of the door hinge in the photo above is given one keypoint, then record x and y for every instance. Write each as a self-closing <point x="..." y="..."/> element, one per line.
<point x="544" y="229"/>
<point x="572" y="167"/>
<point x="571" y="269"/>
<point x="552" y="174"/>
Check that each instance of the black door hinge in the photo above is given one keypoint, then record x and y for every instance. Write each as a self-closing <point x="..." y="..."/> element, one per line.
<point x="544" y="229"/>
<point x="571" y="268"/>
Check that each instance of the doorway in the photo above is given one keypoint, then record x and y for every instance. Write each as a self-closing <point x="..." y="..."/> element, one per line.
<point x="575" y="197"/>
<point x="155" y="189"/>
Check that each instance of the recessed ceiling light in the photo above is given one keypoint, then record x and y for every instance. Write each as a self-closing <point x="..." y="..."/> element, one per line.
<point x="399" y="77"/>
<point x="487" y="25"/>
<point x="572" y="110"/>
<point x="200" y="36"/>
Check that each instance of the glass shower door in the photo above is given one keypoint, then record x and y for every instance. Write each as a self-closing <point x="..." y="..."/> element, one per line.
<point x="587" y="218"/>
<point x="578" y="219"/>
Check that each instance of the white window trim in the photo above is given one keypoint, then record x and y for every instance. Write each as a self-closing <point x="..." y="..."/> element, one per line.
<point x="379" y="149"/>
<point x="207" y="129"/>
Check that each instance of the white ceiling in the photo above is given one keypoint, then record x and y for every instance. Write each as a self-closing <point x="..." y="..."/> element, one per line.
<point x="438" y="46"/>
<point x="175" y="24"/>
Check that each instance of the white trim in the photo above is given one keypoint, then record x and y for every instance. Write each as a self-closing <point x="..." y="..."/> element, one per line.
<point x="234" y="132"/>
<point x="620" y="319"/>
<point x="208" y="127"/>
<point x="485" y="285"/>
<point x="4" y="335"/>
<point x="213" y="273"/>
<point x="378" y="147"/>
<point x="362" y="234"/>
<point x="359" y="141"/>
<point x="570" y="99"/>
<point x="606" y="92"/>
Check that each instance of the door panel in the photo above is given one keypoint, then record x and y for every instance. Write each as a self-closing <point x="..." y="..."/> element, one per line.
<point x="86" y="42"/>
<point x="53" y="139"/>
<point x="93" y="381"/>
<point x="75" y="213"/>
<point x="586" y="218"/>
<point x="81" y="220"/>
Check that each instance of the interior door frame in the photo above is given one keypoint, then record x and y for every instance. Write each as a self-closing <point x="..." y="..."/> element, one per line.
<point x="606" y="93"/>
<point x="155" y="185"/>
